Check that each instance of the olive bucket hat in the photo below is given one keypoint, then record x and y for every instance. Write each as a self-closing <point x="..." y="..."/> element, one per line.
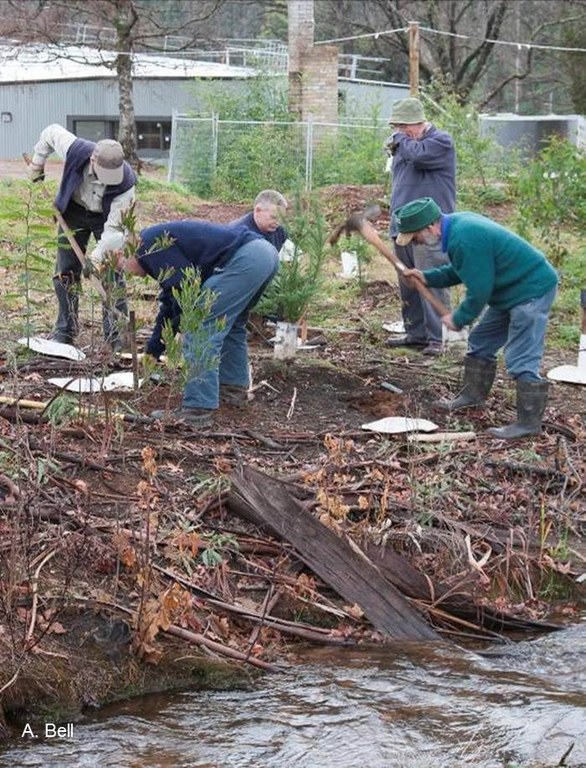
<point x="407" y="112"/>
<point x="415" y="216"/>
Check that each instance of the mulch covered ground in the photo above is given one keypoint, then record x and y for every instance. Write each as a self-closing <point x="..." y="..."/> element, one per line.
<point x="133" y="517"/>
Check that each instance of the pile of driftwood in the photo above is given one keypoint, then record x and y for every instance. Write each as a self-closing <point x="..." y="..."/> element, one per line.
<point x="398" y="600"/>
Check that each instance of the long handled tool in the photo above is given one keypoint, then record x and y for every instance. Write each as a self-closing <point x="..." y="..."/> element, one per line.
<point x="360" y="222"/>
<point x="83" y="260"/>
<point x="94" y="281"/>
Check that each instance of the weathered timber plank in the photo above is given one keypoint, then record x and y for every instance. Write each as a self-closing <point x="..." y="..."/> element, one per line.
<point x="411" y="582"/>
<point x="266" y="501"/>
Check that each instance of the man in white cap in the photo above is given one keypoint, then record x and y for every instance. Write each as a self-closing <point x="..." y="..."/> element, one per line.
<point x="423" y="165"/>
<point x="97" y="186"/>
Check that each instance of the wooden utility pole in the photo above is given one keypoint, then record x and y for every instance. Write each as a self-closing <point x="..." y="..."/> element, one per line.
<point x="414" y="58"/>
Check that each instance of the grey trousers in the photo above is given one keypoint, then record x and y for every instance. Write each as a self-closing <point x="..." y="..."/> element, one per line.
<point x="422" y="323"/>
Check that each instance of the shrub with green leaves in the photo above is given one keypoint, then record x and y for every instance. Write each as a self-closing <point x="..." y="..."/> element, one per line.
<point x="28" y="214"/>
<point x="255" y="156"/>
<point x="350" y="154"/>
<point x="192" y="355"/>
<point x="551" y="195"/>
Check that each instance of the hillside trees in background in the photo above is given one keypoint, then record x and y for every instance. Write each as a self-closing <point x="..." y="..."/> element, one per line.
<point x="465" y="57"/>
<point x="575" y="63"/>
<point x="496" y="76"/>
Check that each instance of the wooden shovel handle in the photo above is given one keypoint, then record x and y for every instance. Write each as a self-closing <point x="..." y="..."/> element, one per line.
<point x="371" y="236"/>
<point x="96" y="284"/>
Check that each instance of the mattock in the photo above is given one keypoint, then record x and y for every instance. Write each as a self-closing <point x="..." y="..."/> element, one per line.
<point x="361" y="222"/>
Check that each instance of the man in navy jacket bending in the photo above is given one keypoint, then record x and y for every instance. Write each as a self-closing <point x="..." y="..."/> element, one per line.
<point x="236" y="264"/>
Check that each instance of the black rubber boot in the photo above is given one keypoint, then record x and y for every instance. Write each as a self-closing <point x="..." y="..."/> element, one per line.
<point x="67" y="292"/>
<point x="479" y="376"/>
<point x="531" y="402"/>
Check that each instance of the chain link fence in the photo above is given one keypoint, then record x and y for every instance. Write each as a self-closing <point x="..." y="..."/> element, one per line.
<point x="233" y="159"/>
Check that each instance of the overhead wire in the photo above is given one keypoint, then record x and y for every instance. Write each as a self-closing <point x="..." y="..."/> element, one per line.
<point x="517" y="44"/>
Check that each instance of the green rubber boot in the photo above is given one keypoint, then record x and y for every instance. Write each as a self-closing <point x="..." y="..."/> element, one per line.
<point x="479" y="376"/>
<point x="531" y="402"/>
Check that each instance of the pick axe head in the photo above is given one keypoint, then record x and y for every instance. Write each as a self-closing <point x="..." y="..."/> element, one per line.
<point x="355" y="222"/>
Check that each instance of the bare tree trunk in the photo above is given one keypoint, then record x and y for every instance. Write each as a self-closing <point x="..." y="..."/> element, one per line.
<point x="127" y="132"/>
<point x="125" y="20"/>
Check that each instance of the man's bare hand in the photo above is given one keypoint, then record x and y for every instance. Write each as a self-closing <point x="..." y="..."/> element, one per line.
<point x="36" y="173"/>
<point x="413" y="274"/>
<point x="448" y="321"/>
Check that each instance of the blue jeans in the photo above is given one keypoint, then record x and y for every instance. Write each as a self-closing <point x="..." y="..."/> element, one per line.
<point x="520" y="330"/>
<point x="239" y="284"/>
<point x="422" y="322"/>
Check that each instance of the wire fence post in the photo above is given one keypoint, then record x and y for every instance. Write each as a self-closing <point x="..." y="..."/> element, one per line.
<point x="215" y="137"/>
<point x="414" y="58"/>
<point x="308" y="154"/>
<point x="173" y="147"/>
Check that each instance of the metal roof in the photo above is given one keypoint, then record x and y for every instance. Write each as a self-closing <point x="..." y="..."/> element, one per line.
<point x="36" y="63"/>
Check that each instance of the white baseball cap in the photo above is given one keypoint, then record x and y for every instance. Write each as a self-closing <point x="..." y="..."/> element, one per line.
<point x="108" y="157"/>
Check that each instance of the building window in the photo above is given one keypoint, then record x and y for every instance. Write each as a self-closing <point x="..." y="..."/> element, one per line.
<point x="153" y="134"/>
<point x="153" y="137"/>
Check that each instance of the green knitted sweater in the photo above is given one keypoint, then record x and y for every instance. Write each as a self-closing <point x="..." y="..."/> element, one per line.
<point x="497" y="266"/>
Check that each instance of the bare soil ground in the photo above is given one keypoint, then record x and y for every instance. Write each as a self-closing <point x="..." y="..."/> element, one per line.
<point x="130" y="519"/>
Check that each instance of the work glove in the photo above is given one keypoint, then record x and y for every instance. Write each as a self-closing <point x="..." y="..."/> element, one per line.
<point x="88" y="269"/>
<point x="36" y="172"/>
<point x="392" y="144"/>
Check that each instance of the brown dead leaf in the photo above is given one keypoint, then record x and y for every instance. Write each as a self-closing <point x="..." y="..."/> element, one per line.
<point x="149" y="462"/>
<point x="222" y="465"/>
<point x="56" y="628"/>
<point x="355" y="611"/>
<point x="126" y="551"/>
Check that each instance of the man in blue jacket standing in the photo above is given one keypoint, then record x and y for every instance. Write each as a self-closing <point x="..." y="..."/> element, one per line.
<point x="510" y="284"/>
<point x="423" y="165"/>
<point x="97" y="186"/>
<point x="236" y="265"/>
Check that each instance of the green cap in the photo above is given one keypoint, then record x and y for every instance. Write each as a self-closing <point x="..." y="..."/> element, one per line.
<point x="414" y="216"/>
<point x="407" y="112"/>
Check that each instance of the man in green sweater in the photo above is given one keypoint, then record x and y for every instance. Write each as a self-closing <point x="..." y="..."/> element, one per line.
<point x="507" y="280"/>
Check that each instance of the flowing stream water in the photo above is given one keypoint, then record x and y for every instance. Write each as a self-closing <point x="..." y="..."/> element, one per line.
<point x="403" y="706"/>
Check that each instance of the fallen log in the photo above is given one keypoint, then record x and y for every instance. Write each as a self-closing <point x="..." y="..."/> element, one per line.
<point x="267" y="502"/>
<point x="399" y="571"/>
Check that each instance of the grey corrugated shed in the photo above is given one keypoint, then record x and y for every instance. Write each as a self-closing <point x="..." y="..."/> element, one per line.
<point x="37" y="89"/>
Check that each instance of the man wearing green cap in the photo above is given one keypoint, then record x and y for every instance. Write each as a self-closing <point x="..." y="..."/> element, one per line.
<point x="506" y="279"/>
<point x="423" y="165"/>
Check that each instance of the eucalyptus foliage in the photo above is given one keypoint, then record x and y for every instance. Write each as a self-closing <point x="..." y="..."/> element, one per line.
<point x="192" y="354"/>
